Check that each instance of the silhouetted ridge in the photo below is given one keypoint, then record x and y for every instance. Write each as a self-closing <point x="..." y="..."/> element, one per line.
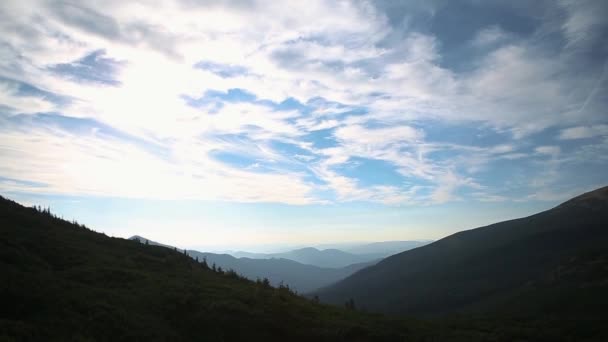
<point x="492" y="268"/>
<point x="596" y="198"/>
<point x="62" y="282"/>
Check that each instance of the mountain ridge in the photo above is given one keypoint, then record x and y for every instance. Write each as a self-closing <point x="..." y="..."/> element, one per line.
<point x="300" y="277"/>
<point x="62" y="281"/>
<point x="329" y="258"/>
<point x="466" y="269"/>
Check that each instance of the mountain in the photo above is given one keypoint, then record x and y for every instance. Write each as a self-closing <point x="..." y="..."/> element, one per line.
<point x="299" y="277"/>
<point x="332" y="258"/>
<point x="302" y="278"/>
<point x="346" y="254"/>
<point x="64" y="282"/>
<point x="386" y="248"/>
<point x="552" y="263"/>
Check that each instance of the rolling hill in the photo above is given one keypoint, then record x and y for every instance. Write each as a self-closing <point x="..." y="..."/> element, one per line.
<point x="299" y="277"/>
<point x="552" y="263"/>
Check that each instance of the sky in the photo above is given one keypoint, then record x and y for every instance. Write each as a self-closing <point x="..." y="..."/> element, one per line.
<point x="246" y="124"/>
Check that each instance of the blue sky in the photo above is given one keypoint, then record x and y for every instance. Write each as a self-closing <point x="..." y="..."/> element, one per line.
<point x="224" y="124"/>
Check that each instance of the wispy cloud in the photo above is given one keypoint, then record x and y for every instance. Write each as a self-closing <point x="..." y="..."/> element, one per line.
<point x="225" y="104"/>
<point x="582" y="132"/>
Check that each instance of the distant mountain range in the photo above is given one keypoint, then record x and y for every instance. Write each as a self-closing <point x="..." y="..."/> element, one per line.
<point x="332" y="258"/>
<point x="336" y="258"/>
<point x="300" y="277"/>
<point x="554" y="262"/>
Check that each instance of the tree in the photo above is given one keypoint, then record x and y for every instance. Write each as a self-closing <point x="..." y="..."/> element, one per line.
<point x="266" y="282"/>
<point x="350" y="304"/>
<point x="213" y="267"/>
<point x="205" y="265"/>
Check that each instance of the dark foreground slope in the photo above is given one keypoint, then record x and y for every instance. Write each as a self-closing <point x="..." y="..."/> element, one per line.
<point x="552" y="264"/>
<point x="62" y="282"/>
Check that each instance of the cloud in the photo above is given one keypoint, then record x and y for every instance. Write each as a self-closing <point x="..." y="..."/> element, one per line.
<point x="585" y="20"/>
<point x="490" y="35"/>
<point x="93" y="67"/>
<point x="334" y="81"/>
<point x="13" y="101"/>
<point x="377" y="137"/>
<point x="61" y="162"/>
<point x="222" y="70"/>
<point x="548" y="150"/>
<point x="582" y="132"/>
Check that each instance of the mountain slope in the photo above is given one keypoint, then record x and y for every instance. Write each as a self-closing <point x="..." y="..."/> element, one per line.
<point x="299" y="277"/>
<point x="63" y="282"/>
<point x="328" y="258"/>
<point x="487" y="268"/>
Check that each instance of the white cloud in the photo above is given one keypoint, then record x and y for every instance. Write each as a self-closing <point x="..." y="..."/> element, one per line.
<point x="379" y="137"/>
<point x="490" y="35"/>
<point x="23" y="104"/>
<point x="582" y="132"/>
<point x="548" y="150"/>
<point x="94" y="165"/>
<point x="344" y="52"/>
